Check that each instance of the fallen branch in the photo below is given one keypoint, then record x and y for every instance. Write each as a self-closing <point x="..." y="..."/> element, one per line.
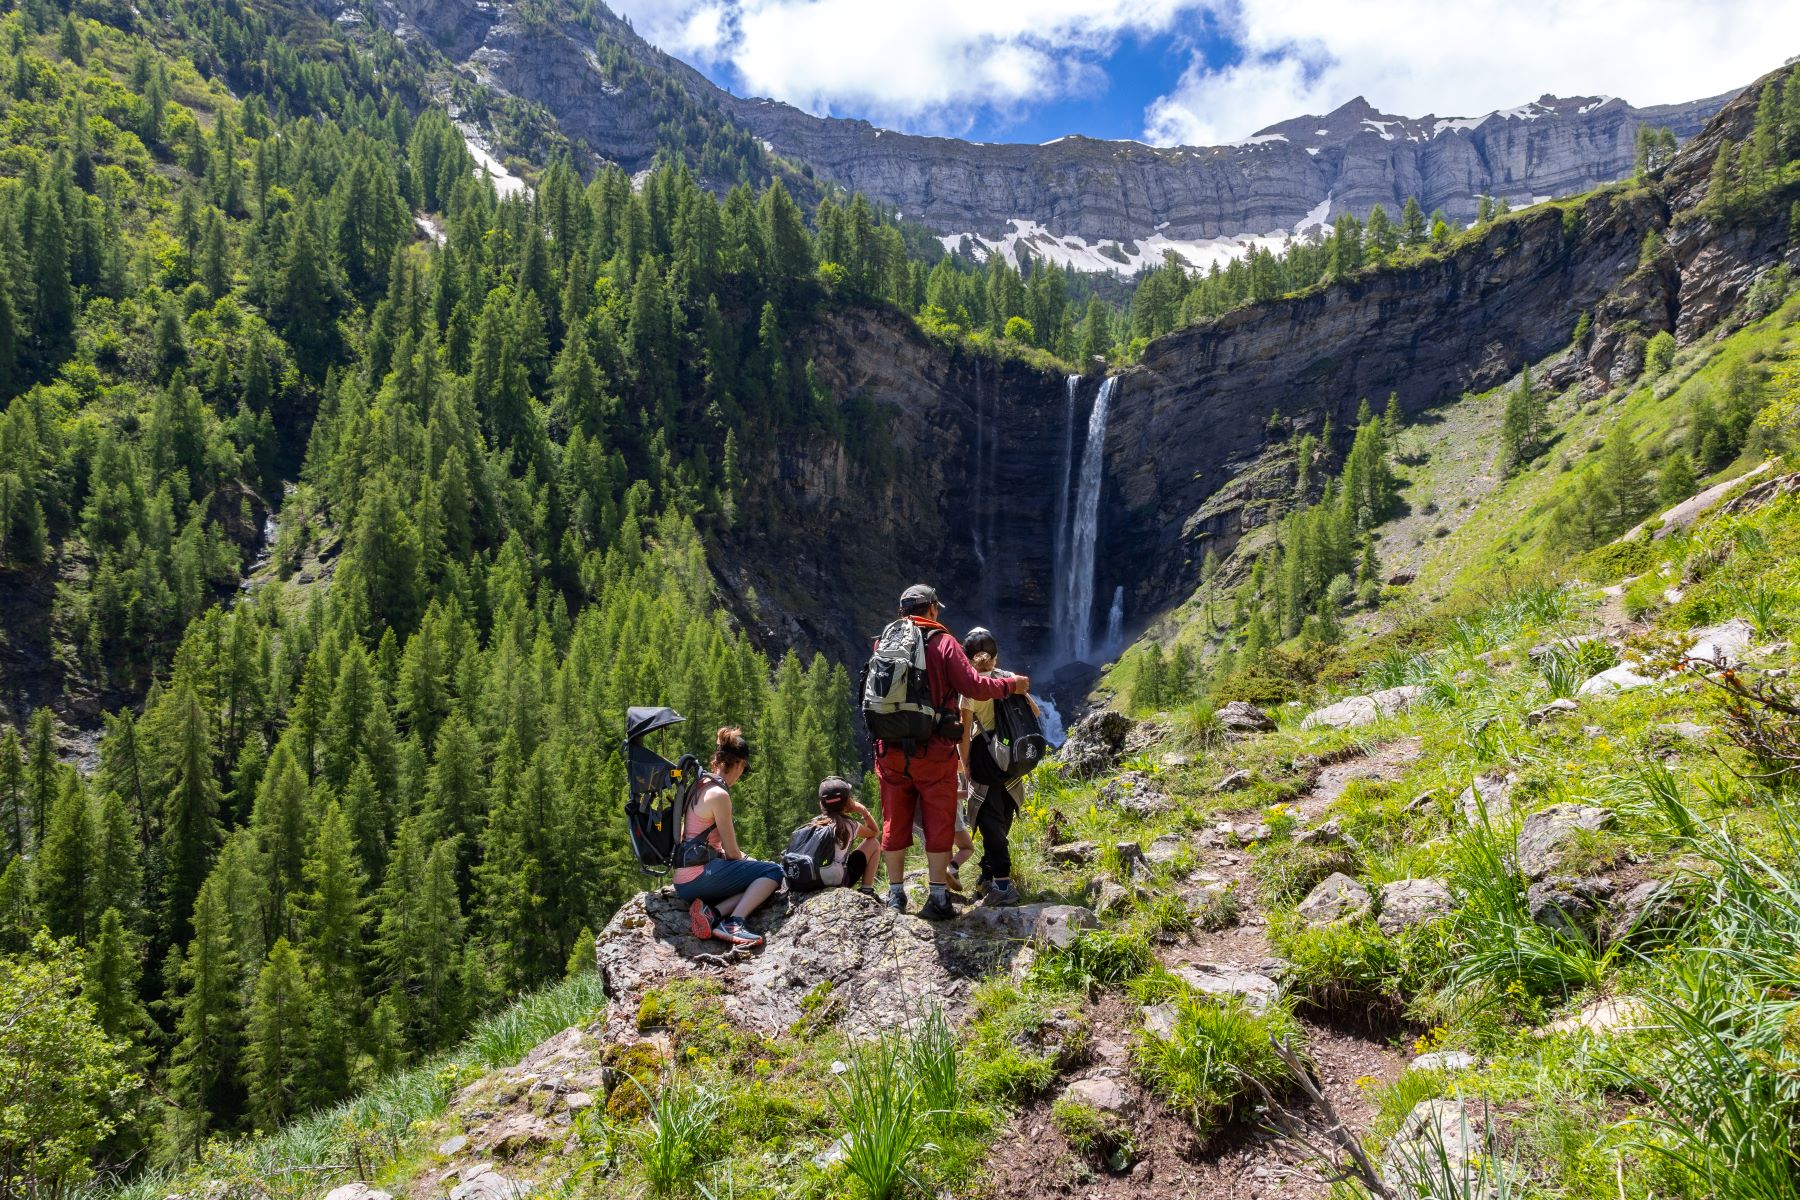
<point x="1322" y="1138"/>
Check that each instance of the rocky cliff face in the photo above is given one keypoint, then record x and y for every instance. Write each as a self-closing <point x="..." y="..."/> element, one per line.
<point x="1120" y="202"/>
<point x="1196" y="448"/>
<point x="1124" y="191"/>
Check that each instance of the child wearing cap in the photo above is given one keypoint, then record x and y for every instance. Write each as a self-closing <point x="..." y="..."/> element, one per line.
<point x="857" y="836"/>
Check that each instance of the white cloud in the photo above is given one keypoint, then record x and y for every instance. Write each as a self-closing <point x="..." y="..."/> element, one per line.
<point x="1414" y="57"/>
<point x="942" y="65"/>
<point x="932" y="64"/>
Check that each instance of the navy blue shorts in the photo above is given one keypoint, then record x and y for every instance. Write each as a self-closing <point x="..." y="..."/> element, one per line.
<point x="723" y="878"/>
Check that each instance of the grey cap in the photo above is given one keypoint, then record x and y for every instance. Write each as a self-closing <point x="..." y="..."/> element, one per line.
<point x="918" y="596"/>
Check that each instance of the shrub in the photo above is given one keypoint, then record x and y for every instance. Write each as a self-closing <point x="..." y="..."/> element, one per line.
<point x="1095" y="959"/>
<point x="1287" y="871"/>
<point x="1614" y="561"/>
<point x="1101" y="1138"/>
<point x="1218" y="1060"/>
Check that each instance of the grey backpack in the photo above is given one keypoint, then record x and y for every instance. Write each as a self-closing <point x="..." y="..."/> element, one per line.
<point x="896" y="692"/>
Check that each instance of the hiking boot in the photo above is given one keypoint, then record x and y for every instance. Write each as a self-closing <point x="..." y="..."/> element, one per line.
<point x="866" y="890"/>
<point x="937" y="910"/>
<point x="737" y="933"/>
<point x="703" y="918"/>
<point x="897" y="903"/>
<point x="1000" y="897"/>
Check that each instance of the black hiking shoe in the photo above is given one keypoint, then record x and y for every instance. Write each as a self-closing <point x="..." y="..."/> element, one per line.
<point x="937" y="910"/>
<point x="895" y="902"/>
<point x="866" y="890"/>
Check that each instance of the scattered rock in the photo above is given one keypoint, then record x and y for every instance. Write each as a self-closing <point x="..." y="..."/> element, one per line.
<point x="1673" y="595"/>
<point x="1338" y="897"/>
<point x="449" y="1146"/>
<point x="1545" y="833"/>
<point x="1440" y="1148"/>
<point x="1445" y="1061"/>
<point x="833" y="1154"/>
<point x="1133" y="793"/>
<point x="1096" y="743"/>
<point x="1229" y="979"/>
<point x="1165" y="848"/>
<point x="1104" y="1095"/>
<point x="1601" y="1017"/>
<point x="1240" y="717"/>
<point x="1109" y="897"/>
<point x="482" y="1182"/>
<point x="1572" y="905"/>
<point x="514" y="1134"/>
<point x="1172" y="759"/>
<point x="1645" y="907"/>
<point x="1401" y="578"/>
<point x="1237" y="781"/>
<point x="1568" y="643"/>
<point x="576" y="1101"/>
<point x="1622" y="678"/>
<point x="1490" y="792"/>
<point x="1409" y="902"/>
<point x="1687" y="731"/>
<point x="1159" y="1019"/>
<point x="357" y="1191"/>
<point x="1724" y="643"/>
<point x="1058" y="925"/>
<point x="1327" y="832"/>
<point x="1363" y="710"/>
<point x="1074" y="854"/>
<point x="1556" y="708"/>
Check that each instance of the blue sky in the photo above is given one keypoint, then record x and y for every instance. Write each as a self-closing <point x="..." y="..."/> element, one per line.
<point x="1207" y="71"/>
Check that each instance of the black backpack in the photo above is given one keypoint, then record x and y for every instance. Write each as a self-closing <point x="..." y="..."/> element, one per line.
<point x="1012" y="749"/>
<point x="808" y="852"/>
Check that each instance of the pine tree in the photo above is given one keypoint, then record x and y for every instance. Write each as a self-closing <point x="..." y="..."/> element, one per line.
<point x="331" y="923"/>
<point x="190" y="826"/>
<point x="110" y="972"/>
<point x="1522" y="425"/>
<point x="277" y="1045"/>
<point x="1675" y="482"/>
<point x="1412" y="223"/>
<point x="67" y="888"/>
<point x="204" y="1069"/>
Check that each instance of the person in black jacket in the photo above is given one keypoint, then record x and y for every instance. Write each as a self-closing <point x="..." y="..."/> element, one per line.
<point x="991" y="809"/>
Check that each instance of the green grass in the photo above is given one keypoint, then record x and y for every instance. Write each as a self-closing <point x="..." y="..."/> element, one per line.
<point x="1218" y="1060"/>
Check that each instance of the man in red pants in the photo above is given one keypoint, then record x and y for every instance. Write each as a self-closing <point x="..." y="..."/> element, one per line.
<point x="926" y="777"/>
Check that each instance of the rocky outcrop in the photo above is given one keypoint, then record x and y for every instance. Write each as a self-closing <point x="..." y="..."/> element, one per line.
<point x="880" y="968"/>
<point x="1357" y="711"/>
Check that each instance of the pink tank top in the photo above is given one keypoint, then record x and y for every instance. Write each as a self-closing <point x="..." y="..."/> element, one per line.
<point x="691" y="826"/>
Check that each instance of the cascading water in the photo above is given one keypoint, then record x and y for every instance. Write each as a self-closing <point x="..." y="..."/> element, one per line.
<point x="1072" y="609"/>
<point x="1050" y="719"/>
<point x="1115" y="621"/>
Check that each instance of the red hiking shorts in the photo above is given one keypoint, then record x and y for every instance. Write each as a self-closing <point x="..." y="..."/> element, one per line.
<point x="927" y="782"/>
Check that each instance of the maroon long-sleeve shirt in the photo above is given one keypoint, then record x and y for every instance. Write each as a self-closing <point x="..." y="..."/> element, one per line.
<point x="950" y="676"/>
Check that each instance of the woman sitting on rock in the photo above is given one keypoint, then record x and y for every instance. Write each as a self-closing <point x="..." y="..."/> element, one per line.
<point x="723" y="885"/>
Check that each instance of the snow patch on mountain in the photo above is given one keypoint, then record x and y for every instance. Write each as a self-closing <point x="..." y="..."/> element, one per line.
<point x="1129" y="257"/>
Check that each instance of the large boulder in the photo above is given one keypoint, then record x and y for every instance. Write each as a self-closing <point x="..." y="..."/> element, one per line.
<point x="1724" y="643"/>
<point x="1135" y="793"/>
<point x="1441" y="1144"/>
<point x="1571" y="905"/>
<point x="1230" y="979"/>
<point x="1240" y="718"/>
<point x="1096" y="743"/>
<point x="1406" y="903"/>
<point x="1337" y="898"/>
<point x="882" y="966"/>
<point x="1363" y="710"/>
<point x="1622" y="678"/>
<point x="1547" y="833"/>
<point x="1489" y="793"/>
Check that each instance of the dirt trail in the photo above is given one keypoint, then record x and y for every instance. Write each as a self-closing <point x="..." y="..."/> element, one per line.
<point x="1032" y="1157"/>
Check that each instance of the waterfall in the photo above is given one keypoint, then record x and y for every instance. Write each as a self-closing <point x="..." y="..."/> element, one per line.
<point x="1073" y="610"/>
<point x="1059" y="552"/>
<point x="1115" y="621"/>
<point x="1051" y="720"/>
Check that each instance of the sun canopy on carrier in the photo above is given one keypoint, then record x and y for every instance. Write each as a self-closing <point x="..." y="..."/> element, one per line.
<point x="642" y="722"/>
